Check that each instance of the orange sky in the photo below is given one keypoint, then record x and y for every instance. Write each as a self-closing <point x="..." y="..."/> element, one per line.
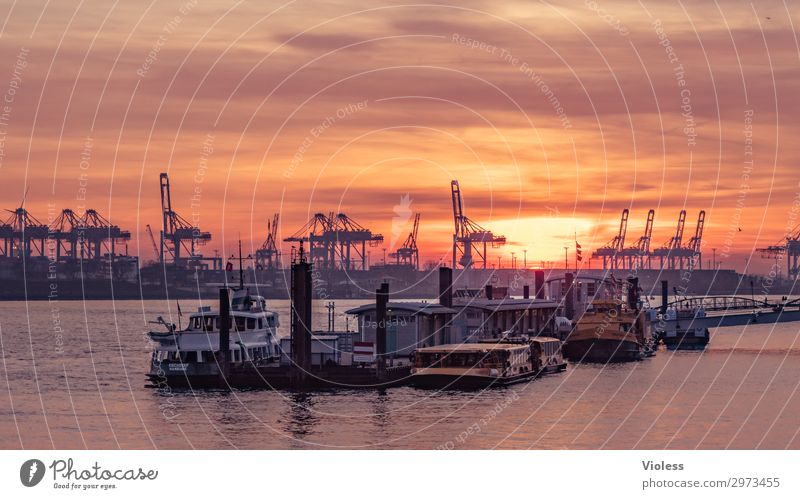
<point x="553" y="116"/>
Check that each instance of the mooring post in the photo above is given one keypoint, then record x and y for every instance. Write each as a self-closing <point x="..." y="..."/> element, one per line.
<point x="569" y="296"/>
<point x="381" y="300"/>
<point x="224" y="335"/>
<point x="446" y="287"/>
<point x="301" y="320"/>
<point x="538" y="284"/>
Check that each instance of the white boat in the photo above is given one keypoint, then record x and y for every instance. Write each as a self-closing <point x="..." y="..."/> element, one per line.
<point x="191" y="355"/>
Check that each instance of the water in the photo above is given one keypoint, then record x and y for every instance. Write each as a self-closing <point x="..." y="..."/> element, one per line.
<point x="743" y="392"/>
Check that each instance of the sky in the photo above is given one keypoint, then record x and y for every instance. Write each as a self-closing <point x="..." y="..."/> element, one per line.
<point x="553" y="116"/>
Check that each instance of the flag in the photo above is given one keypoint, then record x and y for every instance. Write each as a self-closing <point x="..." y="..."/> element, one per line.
<point x="578" y="252"/>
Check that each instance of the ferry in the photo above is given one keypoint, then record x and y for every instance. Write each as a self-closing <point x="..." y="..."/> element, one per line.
<point x="189" y="357"/>
<point x="485" y="364"/>
<point x="608" y="331"/>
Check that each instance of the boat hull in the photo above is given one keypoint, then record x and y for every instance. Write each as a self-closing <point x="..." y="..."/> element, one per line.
<point x="602" y="350"/>
<point x="686" y="340"/>
<point x="282" y="377"/>
<point x="433" y="381"/>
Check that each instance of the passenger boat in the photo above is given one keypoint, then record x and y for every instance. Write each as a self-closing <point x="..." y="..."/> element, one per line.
<point x="486" y="364"/>
<point x="608" y="331"/>
<point x="189" y="357"/>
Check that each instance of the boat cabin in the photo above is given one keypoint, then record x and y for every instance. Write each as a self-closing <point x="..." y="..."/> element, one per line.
<point x="482" y="318"/>
<point x="497" y="359"/>
<point x="409" y="325"/>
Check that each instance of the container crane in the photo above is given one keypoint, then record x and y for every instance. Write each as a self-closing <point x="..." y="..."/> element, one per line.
<point x="24" y="236"/>
<point x="179" y="238"/>
<point x="468" y="236"/>
<point x="638" y="255"/>
<point x="336" y="241"/>
<point x="408" y="253"/>
<point x="694" y="245"/>
<point x="789" y="248"/>
<point x="670" y="251"/>
<point x="268" y="255"/>
<point x="612" y="252"/>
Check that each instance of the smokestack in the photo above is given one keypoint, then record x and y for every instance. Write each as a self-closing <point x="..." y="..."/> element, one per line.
<point x="446" y="287"/>
<point x="301" y="316"/>
<point x="526" y="291"/>
<point x="488" y="291"/>
<point x="664" y="296"/>
<point x="633" y="293"/>
<point x="569" y="296"/>
<point x="538" y="284"/>
<point x="381" y="300"/>
<point x="224" y="334"/>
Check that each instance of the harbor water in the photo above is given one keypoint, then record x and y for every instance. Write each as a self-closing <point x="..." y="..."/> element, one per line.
<point x="73" y="378"/>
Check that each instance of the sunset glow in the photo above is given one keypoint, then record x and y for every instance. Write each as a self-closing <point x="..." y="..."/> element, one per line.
<point x="554" y="116"/>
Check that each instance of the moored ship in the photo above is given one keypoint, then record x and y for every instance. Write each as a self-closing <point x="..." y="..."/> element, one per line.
<point x="190" y="357"/>
<point x="610" y="329"/>
<point x="485" y="364"/>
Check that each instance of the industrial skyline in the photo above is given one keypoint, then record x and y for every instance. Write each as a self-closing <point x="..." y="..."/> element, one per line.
<point x="337" y="241"/>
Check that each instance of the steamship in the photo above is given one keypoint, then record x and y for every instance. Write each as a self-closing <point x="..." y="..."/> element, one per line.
<point x="191" y="356"/>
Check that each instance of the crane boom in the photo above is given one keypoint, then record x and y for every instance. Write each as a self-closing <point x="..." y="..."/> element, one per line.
<point x="695" y="242"/>
<point x="678" y="238"/>
<point x="623" y="229"/>
<point x="648" y="232"/>
<point x="153" y="241"/>
<point x="458" y="208"/>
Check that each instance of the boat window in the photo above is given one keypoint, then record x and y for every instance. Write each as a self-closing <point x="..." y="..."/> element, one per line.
<point x="271" y="321"/>
<point x="187" y="356"/>
<point x="208" y="323"/>
<point x="240" y="321"/>
<point x="260" y="323"/>
<point x="251" y="323"/>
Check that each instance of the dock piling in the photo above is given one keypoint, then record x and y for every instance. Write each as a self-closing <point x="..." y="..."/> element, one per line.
<point x="381" y="300"/>
<point x="569" y="296"/>
<point x="538" y="284"/>
<point x="224" y="335"/>
<point x="446" y="287"/>
<point x="301" y="318"/>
